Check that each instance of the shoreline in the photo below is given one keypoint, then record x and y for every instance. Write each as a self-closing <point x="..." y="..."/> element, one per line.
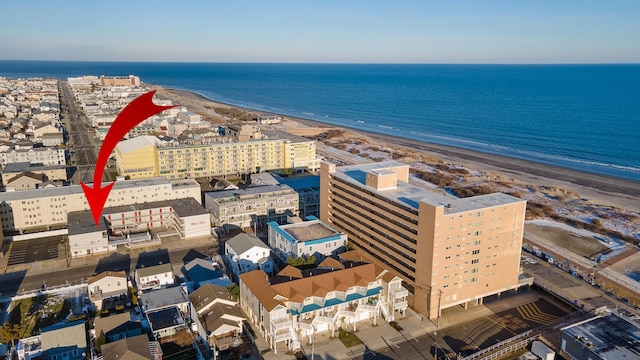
<point x="600" y="189"/>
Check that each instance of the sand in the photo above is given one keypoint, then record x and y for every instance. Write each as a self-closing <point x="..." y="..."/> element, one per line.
<point x="598" y="189"/>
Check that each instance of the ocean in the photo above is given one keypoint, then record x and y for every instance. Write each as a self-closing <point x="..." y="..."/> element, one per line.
<point x="583" y="117"/>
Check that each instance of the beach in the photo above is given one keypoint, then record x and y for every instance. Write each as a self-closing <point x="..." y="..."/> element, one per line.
<point x="598" y="189"/>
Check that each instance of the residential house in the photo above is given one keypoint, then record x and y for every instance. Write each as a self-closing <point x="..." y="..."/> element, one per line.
<point x="166" y="321"/>
<point x="107" y="284"/>
<point x="25" y="181"/>
<point x="66" y="340"/>
<point x="217" y="317"/>
<point x="154" y="277"/>
<point x="245" y="252"/>
<point x="298" y="304"/>
<point x="163" y="298"/>
<point x="305" y="238"/>
<point x="201" y="271"/>
<point x="132" y="348"/>
<point x="52" y="139"/>
<point x="116" y="327"/>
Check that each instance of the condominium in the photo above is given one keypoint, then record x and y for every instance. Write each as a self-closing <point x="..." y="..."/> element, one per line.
<point x="255" y="206"/>
<point x="305" y="238"/>
<point x="294" y="305"/>
<point x="449" y="251"/>
<point x="44" y="156"/>
<point x="148" y="156"/>
<point x="44" y="209"/>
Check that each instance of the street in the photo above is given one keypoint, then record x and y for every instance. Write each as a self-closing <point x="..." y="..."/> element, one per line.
<point x="81" y="143"/>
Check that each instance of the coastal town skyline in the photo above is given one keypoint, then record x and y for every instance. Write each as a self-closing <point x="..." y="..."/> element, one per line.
<point x="327" y="32"/>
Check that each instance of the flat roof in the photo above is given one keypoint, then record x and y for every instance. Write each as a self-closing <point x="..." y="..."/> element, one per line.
<point x="163" y="297"/>
<point x="412" y="195"/>
<point x="77" y="189"/>
<point x="249" y="193"/>
<point x="306" y="231"/>
<point x="610" y="336"/>
<point x="165" y="318"/>
<point x="81" y="222"/>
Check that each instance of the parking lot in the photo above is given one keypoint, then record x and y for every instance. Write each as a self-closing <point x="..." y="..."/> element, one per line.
<point x="29" y="251"/>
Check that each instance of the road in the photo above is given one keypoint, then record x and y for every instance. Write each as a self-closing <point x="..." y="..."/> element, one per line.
<point x="82" y="142"/>
<point x="34" y="279"/>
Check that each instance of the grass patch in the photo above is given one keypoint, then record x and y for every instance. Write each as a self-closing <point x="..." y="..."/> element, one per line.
<point x="348" y="338"/>
<point x="35" y="313"/>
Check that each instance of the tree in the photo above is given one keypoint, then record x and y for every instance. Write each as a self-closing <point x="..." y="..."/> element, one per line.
<point x="10" y="332"/>
<point x="100" y="340"/>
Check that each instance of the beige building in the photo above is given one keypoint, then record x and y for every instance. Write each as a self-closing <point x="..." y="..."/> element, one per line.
<point x="44" y="156"/>
<point x="130" y="80"/>
<point x="293" y="306"/>
<point x="449" y="251"/>
<point x="255" y="206"/>
<point x="147" y="156"/>
<point x="42" y="209"/>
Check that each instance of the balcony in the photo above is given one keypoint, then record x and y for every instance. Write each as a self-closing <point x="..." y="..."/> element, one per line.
<point x="324" y="319"/>
<point x="399" y="293"/>
<point x="367" y="307"/>
<point x="281" y="323"/>
<point x="282" y="336"/>
<point x="400" y="305"/>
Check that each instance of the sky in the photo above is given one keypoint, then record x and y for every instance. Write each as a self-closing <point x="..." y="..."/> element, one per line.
<point x="323" y="31"/>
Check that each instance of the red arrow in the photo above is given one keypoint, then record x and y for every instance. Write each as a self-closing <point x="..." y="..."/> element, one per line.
<point x="133" y="114"/>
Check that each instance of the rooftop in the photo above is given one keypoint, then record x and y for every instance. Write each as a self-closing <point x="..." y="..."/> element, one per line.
<point x="610" y="336"/>
<point x="162" y="298"/>
<point x="306" y="231"/>
<point x="154" y="270"/>
<point x="243" y="242"/>
<point x="77" y="189"/>
<point x="412" y="195"/>
<point x="165" y="318"/>
<point x="249" y="193"/>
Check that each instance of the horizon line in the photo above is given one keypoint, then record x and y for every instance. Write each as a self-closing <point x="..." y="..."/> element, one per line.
<point x="321" y="63"/>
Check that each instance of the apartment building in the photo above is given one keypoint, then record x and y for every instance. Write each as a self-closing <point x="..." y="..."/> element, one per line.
<point x="449" y="251"/>
<point x="146" y="156"/>
<point x="311" y="237"/>
<point x="43" y="155"/>
<point x="130" y="80"/>
<point x="42" y="209"/>
<point x="131" y="225"/>
<point x="255" y="206"/>
<point x="295" y="305"/>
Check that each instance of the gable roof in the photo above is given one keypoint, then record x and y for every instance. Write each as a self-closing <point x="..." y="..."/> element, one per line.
<point x="215" y="317"/>
<point x="206" y="294"/>
<point x="27" y="174"/>
<point x="115" y="324"/>
<point x="258" y="283"/>
<point x="66" y="334"/>
<point x="203" y="263"/>
<point x="243" y="242"/>
<point x="291" y="271"/>
<point x="319" y="285"/>
<point x="131" y="348"/>
<point x="102" y="275"/>
<point x="154" y="270"/>
<point x="331" y="263"/>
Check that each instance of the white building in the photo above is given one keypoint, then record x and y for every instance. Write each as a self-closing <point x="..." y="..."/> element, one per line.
<point x="106" y="285"/>
<point x="154" y="277"/>
<point x="44" y="155"/>
<point x="43" y="208"/>
<point x="312" y="237"/>
<point x="253" y="207"/>
<point x="245" y="253"/>
<point x="132" y="225"/>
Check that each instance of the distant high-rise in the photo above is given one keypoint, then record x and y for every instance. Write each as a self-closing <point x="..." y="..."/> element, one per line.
<point x="449" y="251"/>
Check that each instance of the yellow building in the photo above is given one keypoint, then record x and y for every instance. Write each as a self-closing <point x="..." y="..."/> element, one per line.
<point x="147" y="156"/>
<point x="449" y="251"/>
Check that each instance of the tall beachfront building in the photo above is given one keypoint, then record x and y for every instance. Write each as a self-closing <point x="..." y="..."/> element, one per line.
<point x="148" y="156"/>
<point x="449" y="251"/>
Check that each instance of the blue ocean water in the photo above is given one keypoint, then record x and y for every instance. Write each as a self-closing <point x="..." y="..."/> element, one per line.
<point x="584" y="117"/>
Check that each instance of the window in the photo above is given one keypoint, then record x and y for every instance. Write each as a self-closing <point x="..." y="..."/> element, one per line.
<point x="474" y="261"/>
<point x="475" y="252"/>
<point x="473" y="279"/>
